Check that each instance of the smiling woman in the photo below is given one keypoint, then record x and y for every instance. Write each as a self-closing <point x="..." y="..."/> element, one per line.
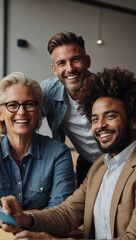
<point x="19" y="120"/>
<point x="36" y="169"/>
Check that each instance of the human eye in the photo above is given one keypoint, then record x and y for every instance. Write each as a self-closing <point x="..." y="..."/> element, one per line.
<point x="60" y="63"/>
<point x="29" y="104"/>
<point x="76" y="59"/>
<point x="111" y="116"/>
<point x="12" y="105"/>
<point x="94" y="119"/>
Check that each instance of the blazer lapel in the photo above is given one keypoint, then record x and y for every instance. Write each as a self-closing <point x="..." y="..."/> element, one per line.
<point x="126" y="172"/>
<point x="93" y="185"/>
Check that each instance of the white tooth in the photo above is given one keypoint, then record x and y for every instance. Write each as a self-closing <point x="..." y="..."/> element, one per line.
<point x="71" y="77"/>
<point x="21" y="121"/>
<point x="105" y="135"/>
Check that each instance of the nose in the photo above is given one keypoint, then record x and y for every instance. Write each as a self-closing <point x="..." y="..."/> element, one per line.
<point x="102" y="123"/>
<point x="21" y="109"/>
<point x="70" y="67"/>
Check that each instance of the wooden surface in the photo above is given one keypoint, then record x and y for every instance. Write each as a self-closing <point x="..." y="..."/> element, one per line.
<point x="6" y="235"/>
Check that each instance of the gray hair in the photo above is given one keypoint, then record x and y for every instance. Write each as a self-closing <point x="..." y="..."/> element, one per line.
<point x="18" y="78"/>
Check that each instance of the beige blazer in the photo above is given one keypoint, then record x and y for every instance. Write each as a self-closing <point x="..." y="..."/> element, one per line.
<point x="78" y="208"/>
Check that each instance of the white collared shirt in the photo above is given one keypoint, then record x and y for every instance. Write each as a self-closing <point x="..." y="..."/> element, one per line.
<point x="101" y="212"/>
<point x="78" y="129"/>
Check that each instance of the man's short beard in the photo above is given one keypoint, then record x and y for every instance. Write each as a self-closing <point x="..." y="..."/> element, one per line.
<point x="119" y="143"/>
<point x="74" y="89"/>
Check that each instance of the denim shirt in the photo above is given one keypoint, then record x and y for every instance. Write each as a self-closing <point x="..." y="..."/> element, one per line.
<point x="45" y="177"/>
<point x="54" y="106"/>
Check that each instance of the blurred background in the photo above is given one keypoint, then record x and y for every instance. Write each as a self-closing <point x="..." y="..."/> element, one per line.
<point x="27" y="25"/>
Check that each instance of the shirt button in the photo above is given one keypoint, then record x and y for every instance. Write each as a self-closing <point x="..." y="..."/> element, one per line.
<point x="19" y="182"/>
<point x="23" y="165"/>
<point x="19" y="194"/>
<point x="41" y="189"/>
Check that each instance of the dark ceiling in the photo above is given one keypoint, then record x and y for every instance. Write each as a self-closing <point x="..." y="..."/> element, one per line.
<point x="107" y="5"/>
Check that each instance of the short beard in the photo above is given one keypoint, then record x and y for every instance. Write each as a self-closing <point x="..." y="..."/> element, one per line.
<point x="76" y="88"/>
<point x="119" y="143"/>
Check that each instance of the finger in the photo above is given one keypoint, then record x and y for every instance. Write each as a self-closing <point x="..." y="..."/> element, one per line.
<point x="33" y="235"/>
<point x="10" y="228"/>
<point x="13" y="208"/>
<point x="8" y="203"/>
<point x="0" y="223"/>
<point x="5" y="206"/>
<point x="26" y="234"/>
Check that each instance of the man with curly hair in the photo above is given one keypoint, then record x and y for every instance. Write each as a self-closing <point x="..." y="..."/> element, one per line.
<point x="106" y="201"/>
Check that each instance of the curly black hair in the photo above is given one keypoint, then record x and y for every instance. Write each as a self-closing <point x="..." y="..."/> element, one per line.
<point x="114" y="83"/>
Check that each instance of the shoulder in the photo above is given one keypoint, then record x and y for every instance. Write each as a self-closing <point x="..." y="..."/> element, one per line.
<point x="3" y="140"/>
<point x="52" y="88"/>
<point x="99" y="161"/>
<point x="97" y="165"/>
<point x="4" y="145"/>
<point x="47" y="141"/>
<point x="49" y="83"/>
<point x="90" y="73"/>
<point x="54" y="150"/>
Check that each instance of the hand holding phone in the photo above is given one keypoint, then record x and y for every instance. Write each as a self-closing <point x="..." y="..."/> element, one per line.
<point x="6" y="218"/>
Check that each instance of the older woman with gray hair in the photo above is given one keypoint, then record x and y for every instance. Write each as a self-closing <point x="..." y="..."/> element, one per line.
<point x="35" y="168"/>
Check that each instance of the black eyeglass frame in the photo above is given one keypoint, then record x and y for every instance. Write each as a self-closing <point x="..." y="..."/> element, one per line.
<point x="19" y="104"/>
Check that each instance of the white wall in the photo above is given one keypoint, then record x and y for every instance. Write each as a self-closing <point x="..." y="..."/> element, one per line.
<point x="38" y="20"/>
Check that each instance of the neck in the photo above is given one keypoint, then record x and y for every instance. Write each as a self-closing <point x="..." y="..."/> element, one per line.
<point x="19" y="146"/>
<point x="73" y="95"/>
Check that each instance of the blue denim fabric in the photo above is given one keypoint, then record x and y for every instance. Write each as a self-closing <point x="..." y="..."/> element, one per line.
<point x="54" y="106"/>
<point x="45" y="178"/>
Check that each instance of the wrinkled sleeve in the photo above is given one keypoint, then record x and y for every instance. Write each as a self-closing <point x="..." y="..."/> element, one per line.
<point x="65" y="217"/>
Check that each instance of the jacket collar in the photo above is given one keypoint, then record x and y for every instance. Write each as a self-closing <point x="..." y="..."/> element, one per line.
<point x="60" y="90"/>
<point x="93" y="185"/>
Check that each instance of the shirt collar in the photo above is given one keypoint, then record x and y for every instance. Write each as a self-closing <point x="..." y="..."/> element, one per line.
<point x="121" y="157"/>
<point x="34" y="148"/>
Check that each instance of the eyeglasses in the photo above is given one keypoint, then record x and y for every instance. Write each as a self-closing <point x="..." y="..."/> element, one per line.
<point x="29" y="106"/>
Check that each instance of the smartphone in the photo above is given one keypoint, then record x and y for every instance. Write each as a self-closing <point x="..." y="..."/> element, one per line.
<point x="6" y="218"/>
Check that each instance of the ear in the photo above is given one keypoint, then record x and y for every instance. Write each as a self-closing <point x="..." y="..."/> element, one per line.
<point x="54" y="69"/>
<point x="1" y="117"/>
<point x="88" y="61"/>
<point x="133" y="123"/>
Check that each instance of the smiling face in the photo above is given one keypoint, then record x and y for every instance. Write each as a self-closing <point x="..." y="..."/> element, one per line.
<point x="70" y="64"/>
<point x="20" y="122"/>
<point x="110" y="126"/>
